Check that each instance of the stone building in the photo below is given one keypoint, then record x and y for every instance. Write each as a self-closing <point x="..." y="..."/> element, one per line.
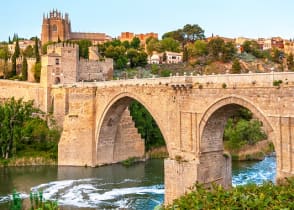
<point x="57" y="26"/>
<point x="128" y="36"/>
<point x="62" y="65"/>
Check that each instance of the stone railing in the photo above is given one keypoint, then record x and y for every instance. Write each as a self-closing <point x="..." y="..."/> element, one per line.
<point x="258" y="79"/>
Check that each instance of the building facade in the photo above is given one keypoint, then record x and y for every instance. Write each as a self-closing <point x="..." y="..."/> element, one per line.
<point x="57" y="26"/>
<point x="61" y="65"/>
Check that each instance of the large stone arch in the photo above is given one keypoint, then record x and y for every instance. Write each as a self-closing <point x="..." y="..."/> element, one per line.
<point x="215" y="165"/>
<point x="107" y="125"/>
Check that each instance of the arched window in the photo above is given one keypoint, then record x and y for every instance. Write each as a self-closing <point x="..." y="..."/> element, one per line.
<point x="57" y="80"/>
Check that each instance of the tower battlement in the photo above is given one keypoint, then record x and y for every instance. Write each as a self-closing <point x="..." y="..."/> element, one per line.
<point x="64" y="45"/>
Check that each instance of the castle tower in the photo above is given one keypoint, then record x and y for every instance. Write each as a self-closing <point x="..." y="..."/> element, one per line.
<point x="60" y="65"/>
<point x="55" y="26"/>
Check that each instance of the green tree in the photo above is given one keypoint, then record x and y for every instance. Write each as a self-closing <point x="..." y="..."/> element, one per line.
<point x="126" y="44"/>
<point x="37" y="71"/>
<point x="146" y="126"/>
<point x="36" y="50"/>
<point x="164" y="57"/>
<point x="121" y="62"/>
<point x="24" y="70"/>
<point x="252" y="47"/>
<point x="15" y="37"/>
<point x="185" y="54"/>
<point x="29" y="52"/>
<point x="169" y="44"/>
<point x="84" y="48"/>
<point x="215" y="48"/>
<point x="242" y="130"/>
<point x="135" y="43"/>
<point x="229" y="51"/>
<point x="13" y="114"/>
<point x="200" y="48"/>
<point x="4" y="52"/>
<point x="189" y="33"/>
<point x="136" y="58"/>
<point x="176" y="35"/>
<point x="165" y="73"/>
<point x="193" y="32"/>
<point x="16" y="53"/>
<point x="153" y="45"/>
<point x="13" y="72"/>
<point x="236" y="67"/>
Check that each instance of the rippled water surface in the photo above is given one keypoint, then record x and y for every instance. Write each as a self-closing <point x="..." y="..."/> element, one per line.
<point x="114" y="186"/>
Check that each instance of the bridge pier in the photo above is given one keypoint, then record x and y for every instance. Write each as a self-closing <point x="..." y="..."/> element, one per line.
<point x="179" y="176"/>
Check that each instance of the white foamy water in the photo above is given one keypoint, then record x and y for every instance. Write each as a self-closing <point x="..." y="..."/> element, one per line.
<point x="92" y="192"/>
<point x="257" y="173"/>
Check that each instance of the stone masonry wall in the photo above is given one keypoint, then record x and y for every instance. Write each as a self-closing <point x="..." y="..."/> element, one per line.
<point x="27" y="91"/>
<point x="127" y="139"/>
<point x="95" y="70"/>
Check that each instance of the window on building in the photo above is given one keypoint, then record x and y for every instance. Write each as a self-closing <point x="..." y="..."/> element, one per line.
<point x="54" y="28"/>
<point x="57" y="61"/>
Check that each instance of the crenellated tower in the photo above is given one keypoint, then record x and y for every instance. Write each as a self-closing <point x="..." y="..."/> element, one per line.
<point x="55" y="26"/>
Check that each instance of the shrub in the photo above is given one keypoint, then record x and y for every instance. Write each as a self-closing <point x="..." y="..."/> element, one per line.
<point x="250" y="196"/>
<point x="224" y="85"/>
<point x="277" y="82"/>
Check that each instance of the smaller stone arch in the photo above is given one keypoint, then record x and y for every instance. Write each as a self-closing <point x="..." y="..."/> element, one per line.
<point x="215" y="166"/>
<point x="239" y="102"/>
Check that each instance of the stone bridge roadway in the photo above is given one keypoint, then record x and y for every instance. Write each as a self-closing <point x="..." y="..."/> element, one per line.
<point x="191" y="112"/>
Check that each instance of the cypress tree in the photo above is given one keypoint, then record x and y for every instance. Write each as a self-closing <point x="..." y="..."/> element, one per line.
<point x="236" y="67"/>
<point x="24" y="70"/>
<point x="17" y="49"/>
<point x="36" y="50"/>
<point x="13" y="72"/>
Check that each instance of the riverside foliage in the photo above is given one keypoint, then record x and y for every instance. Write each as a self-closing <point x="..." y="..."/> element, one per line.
<point x="23" y="132"/>
<point x="250" y="196"/>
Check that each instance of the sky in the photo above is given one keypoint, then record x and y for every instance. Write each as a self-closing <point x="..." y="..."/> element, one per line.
<point x="228" y="18"/>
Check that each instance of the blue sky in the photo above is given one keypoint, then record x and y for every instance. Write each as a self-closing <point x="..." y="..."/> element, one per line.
<point x="230" y="18"/>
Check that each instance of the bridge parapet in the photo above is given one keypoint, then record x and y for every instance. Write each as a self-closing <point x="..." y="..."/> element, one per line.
<point x="258" y="79"/>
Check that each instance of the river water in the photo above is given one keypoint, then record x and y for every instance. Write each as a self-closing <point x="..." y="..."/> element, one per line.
<point x="109" y="187"/>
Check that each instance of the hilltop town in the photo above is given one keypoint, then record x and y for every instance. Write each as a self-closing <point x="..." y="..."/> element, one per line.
<point x="97" y="56"/>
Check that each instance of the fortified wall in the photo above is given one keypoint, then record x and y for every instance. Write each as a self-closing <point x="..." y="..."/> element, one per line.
<point x="27" y="91"/>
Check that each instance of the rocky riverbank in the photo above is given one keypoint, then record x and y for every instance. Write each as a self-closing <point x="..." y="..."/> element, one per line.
<point x="27" y="161"/>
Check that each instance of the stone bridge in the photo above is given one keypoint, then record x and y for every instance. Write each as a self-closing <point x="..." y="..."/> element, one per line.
<point x="191" y="112"/>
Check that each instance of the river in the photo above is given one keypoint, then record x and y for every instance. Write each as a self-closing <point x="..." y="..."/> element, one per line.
<point x="114" y="186"/>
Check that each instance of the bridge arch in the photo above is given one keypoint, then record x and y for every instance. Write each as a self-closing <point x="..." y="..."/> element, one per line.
<point x="215" y="166"/>
<point x="106" y="130"/>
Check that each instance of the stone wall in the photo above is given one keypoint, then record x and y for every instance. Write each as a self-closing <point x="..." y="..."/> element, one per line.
<point x="95" y="70"/>
<point x="27" y="91"/>
<point x="127" y="139"/>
